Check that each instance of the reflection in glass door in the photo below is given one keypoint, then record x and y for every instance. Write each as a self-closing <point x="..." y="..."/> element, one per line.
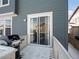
<point x="43" y="30"/>
<point x="39" y="30"/>
<point x="34" y="30"/>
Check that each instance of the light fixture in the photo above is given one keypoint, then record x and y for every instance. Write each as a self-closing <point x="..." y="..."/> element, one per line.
<point x="24" y="20"/>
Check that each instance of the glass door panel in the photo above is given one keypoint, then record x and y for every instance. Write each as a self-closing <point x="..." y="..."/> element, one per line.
<point x="43" y="32"/>
<point x="34" y="30"/>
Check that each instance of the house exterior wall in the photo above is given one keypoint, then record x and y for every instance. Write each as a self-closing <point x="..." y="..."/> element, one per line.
<point x="9" y="8"/>
<point x="59" y="9"/>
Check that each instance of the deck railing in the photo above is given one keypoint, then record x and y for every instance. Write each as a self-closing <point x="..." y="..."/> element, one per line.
<point x="59" y="51"/>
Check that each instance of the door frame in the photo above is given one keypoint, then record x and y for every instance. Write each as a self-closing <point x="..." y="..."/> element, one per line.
<point x="50" y="24"/>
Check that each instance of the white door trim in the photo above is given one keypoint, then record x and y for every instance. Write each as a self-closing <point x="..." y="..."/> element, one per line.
<point x="40" y="15"/>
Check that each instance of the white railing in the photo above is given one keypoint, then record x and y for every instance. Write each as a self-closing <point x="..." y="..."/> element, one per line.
<point x="59" y="51"/>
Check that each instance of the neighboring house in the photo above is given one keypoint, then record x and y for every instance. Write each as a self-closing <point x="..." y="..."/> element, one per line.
<point x="74" y="19"/>
<point x="26" y="14"/>
<point x="73" y="28"/>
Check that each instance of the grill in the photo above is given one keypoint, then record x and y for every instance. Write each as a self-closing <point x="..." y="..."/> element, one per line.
<point x="12" y="41"/>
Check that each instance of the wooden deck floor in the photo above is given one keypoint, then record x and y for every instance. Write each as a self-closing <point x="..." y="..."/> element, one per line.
<point x="37" y="52"/>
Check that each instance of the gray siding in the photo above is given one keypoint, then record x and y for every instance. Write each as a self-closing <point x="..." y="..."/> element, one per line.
<point x="59" y="8"/>
<point x="9" y="8"/>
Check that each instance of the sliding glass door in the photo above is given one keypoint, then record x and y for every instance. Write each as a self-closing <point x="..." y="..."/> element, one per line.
<point x="39" y="30"/>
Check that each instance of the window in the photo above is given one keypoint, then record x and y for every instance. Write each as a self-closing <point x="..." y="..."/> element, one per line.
<point x="1" y="31"/>
<point x="6" y="26"/>
<point x="8" y="31"/>
<point x="4" y="3"/>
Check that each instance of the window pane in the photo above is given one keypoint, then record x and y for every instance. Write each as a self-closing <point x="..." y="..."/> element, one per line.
<point x="8" y="31"/>
<point x="5" y="2"/>
<point x="1" y="32"/>
<point x="8" y="27"/>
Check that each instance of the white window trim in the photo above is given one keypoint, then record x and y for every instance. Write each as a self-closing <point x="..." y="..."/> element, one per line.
<point x="5" y="4"/>
<point x="11" y="25"/>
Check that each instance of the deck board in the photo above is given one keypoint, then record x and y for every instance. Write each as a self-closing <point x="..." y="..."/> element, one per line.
<point x="37" y="52"/>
